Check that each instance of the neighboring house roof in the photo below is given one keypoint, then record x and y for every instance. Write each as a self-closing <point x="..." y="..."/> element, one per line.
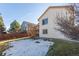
<point x="25" y="24"/>
<point x="68" y="6"/>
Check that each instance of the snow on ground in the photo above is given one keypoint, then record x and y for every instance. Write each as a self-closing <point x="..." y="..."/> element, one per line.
<point x="28" y="48"/>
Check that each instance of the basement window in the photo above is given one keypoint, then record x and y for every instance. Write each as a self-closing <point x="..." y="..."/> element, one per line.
<point x="45" y="31"/>
<point x="77" y="20"/>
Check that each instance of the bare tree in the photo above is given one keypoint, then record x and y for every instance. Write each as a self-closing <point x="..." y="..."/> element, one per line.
<point x="67" y="28"/>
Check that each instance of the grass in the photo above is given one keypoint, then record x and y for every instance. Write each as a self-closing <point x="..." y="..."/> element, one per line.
<point x="60" y="48"/>
<point x="63" y="48"/>
<point x="3" y="46"/>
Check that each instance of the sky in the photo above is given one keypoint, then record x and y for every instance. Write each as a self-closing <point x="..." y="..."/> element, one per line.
<point x="23" y="12"/>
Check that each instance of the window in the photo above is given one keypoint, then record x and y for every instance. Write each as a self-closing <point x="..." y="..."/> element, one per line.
<point x="45" y="21"/>
<point x="77" y="20"/>
<point x="45" y="31"/>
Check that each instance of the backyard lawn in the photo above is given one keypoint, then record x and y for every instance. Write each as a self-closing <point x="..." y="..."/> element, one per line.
<point x="40" y="48"/>
<point x="64" y="48"/>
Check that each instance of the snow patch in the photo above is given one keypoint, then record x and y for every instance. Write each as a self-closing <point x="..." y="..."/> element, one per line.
<point x="28" y="48"/>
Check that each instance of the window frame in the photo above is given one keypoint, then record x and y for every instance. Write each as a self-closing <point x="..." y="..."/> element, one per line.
<point x="45" y="31"/>
<point x="45" y="21"/>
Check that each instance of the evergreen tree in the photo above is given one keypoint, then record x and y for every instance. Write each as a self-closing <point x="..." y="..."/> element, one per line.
<point x="2" y="27"/>
<point x="14" y="26"/>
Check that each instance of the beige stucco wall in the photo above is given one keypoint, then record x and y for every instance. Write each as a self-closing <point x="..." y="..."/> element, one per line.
<point x="51" y="14"/>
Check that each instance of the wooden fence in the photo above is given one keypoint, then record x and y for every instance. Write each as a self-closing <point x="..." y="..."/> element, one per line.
<point x="12" y="36"/>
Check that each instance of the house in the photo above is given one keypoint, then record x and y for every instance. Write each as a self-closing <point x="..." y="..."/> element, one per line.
<point x="24" y="26"/>
<point x="47" y="21"/>
<point x="29" y="28"/>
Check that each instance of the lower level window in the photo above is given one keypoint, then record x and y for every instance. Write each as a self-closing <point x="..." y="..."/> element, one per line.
<point x="45" y="31"/>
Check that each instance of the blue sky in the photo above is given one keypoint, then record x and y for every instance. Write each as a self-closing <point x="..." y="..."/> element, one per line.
<point x="23" y="12"/>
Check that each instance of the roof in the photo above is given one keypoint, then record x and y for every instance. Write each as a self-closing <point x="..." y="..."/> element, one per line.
<point x="26" y="22"/>
<point x="54" y="7"/>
